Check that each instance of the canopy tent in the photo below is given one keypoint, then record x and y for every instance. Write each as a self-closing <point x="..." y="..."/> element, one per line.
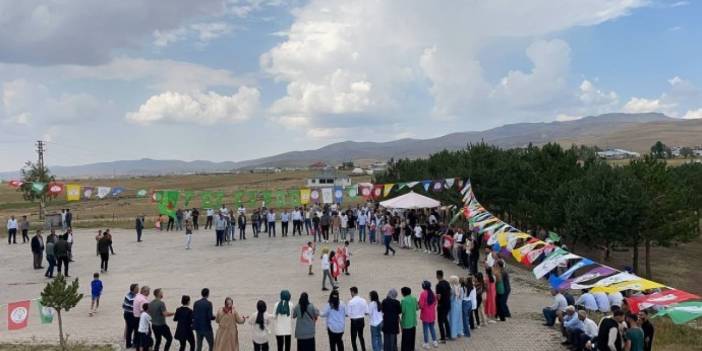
<point x="410" y="200"/>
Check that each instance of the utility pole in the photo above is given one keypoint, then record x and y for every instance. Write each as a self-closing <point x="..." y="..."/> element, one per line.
<point x="40" y="163"/>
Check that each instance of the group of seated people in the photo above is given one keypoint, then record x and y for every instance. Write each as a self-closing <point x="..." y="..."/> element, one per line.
<point x="618" y="328"/>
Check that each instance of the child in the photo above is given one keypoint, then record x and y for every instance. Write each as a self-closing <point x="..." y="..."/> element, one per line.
<point x="95" y="291"/>
<point x="309" y="262"/>
<point x="188" y="234"/>
<point x="347" y="256"/>
<point x="144" y="330"/>
<point x="417" y="237"/>
<point x="371" y="231"/>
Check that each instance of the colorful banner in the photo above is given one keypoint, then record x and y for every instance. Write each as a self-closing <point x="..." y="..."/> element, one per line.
<point x="387" y="188"/>
<point x="315" y="196"/>
<point x="377" y="191"/>
<point x="592" y="276"/>
<point x="72" y="192"/>
<point x="280" y="198"/>
<point x="206" y="199"/>
<point x="15" y="183"/>
<point x="38" y="187"/>
<point x="426" y="184"/>
<point x="251" y="198"/>
<point x="352" y="191"/>
<point x="17" y="315"/>
<point x="327" y="195"/>
<point x="683" y="312"/>
<point x="117" y="191"/>
<point x="169" y="202"/>
<point x="614" y="279"/>
<point x="55" y="188"/>
<point x="438" y="186"/>
<point x="187" y="197"/>
<point x="88" y="192"/>
<point x="294" y="198"/>
<point x="338" y="195"/>
<point x="365" y="191"/>
<point x="634" y="284"/>
<point x="46" y="314"/>
<point x="663" y="298"/>
<point x="218" y="199"/>
<point x="304" y="196"/>
<point x="103" y="191"/>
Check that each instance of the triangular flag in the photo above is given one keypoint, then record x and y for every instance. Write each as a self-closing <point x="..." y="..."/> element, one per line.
<point x="387" y="188"/>
<point x="17" y="314"/>
<point x="449" y="182"/>
<point x="412" y="184"/>
<point x="38" y="187"/>
<point x="426" y="184"/>
<point x="103" y="191"/>
<point x="46" y="314"/>
<point x="117" y="191"/>
<point x="401" y="186"/>
<point x="438" y="185"/>
<point x="141" y="193"/>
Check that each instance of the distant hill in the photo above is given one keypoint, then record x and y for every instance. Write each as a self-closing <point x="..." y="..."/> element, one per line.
<point x="636" y="132"/>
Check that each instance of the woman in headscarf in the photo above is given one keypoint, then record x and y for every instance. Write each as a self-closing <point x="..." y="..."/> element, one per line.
<point x="305" y="315"/>
<point x="455" y="317"/>
<point x="391" y="309"/>
<point x="260" y="327"/>
<point x="227" y="337"/>
<point x="283" y="321"/>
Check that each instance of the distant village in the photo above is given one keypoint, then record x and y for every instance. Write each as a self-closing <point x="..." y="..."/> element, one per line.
<point x="671" y="152"/>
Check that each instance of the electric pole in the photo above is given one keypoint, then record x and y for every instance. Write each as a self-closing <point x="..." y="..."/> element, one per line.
<point x="42" y="171"/>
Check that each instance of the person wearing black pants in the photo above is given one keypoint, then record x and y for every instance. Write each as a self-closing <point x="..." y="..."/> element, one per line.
<point x="443" y="293"/>
<point x="283" y="342"/>
<point x="158" y="312"/>
<point x="336" y="342"/>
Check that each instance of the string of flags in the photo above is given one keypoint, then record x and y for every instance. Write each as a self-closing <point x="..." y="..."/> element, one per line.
<point x="544" y="256"/>
<point x="18" y="313"/>
<point x="167" y="200"/>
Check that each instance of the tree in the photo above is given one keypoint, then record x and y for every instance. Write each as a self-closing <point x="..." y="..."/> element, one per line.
<point x="32" y="174"/>
<point x="660" y="150"/>
<point x="686" y="152"/>
<point x="61" y="297"/>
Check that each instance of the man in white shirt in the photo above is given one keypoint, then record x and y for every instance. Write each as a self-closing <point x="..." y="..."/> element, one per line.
<point x="297" y="221"/>
<point x="344" y="225"/>
<point x="616" y="299"/>
<point x="270" y="219"/>
<point x="587" y="300"/>
<point x="602" y="301"/>
<point x="556" y="310"/>
<point x="210" y="217"/>
<point x="12" y="230"/>
<point x="356" y="310"/>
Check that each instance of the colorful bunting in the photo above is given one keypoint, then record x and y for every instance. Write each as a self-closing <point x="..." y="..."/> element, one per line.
<point x="683" y="312"/>
<point x="352" y="191"/>
<point x="117" y="191"/>
<point x="169" y="202"/>
<point x="663" y="298"/>
<point x="327" y="195"/>
<point x="426" y="184"/>
<point x="315" y="196"/>
<point x="38" y="187"/>
<point x="305" y="196"/>
<point x="338" y="195"/>
<point x="88" y="192"/>
<point x="378" y="191"/>
<point x="103" y="191"/>
<point x="387" y="188"/>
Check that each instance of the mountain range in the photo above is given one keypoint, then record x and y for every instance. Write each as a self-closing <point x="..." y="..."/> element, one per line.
<point x="635" y="132"/>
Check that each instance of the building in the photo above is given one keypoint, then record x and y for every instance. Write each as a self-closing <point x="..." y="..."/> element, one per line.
<point x="379" y="167"/>
<point x="617" y="154"/>
<point x="328" y="179"/>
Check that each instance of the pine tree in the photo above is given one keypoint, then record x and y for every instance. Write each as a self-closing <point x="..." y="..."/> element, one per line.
<point x="61" y="297"/>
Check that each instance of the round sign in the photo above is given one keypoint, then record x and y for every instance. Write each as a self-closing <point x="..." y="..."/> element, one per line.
<point x="366" y="191"/>
<point x="314" y="194"/>
<point x="18" y="315"/>
<point x="338" y="194"/>
<point x="55" y="189"/>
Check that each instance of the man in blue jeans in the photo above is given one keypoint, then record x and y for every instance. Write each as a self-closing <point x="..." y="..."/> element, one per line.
<point x="556" y="310"/>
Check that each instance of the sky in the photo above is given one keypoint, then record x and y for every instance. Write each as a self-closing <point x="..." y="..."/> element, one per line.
<point x="241" y="79"/>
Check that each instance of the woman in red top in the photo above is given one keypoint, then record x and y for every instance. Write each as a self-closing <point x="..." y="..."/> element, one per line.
<point x="427" y="313"/>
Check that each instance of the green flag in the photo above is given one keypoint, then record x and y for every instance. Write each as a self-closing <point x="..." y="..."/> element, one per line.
<point x="683" y="312"/>
<point x="268" y="198"/>
<point x="251" y="198"/>
<point x="206" y="199"/>
<point x="352" y="191"/>
<point x="280" y="198"/>
<point x="187" y="197"/>
<point x="46" y="314"/>
<point x="238" y="198"/>
<point x="169" y="203"/>
<point x="38" y="187"/>
<point x="218" y="198"/>
<point x="294" y="197"/>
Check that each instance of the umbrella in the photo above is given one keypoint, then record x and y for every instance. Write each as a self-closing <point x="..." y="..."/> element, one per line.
<point x="410" y="200"/>
<point x="683" y="312"/>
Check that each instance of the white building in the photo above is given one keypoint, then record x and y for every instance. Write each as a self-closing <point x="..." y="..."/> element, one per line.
<point x="618" y="154"/>
<point x="328" y="179"/>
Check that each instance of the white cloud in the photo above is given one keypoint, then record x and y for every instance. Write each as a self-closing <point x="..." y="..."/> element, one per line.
<point x="693" y="114"/>
<point x="199" y="108"/>
<point x="167" y="37"/>
<point x="682" y="96"/>
<point x="642" y="105"/>
<point x="415" y="44"/>
<point x="562" y="117"/>
<point x="204" y="33"/>
<point x="212" y="30"/>
<point x="30" y="103"/>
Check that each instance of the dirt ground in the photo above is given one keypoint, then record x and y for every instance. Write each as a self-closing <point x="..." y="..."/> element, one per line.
<point x="247" y="271"/>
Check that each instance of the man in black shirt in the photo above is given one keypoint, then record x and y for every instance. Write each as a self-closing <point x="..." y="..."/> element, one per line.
<point x="647" y="330"/>
<point x="443" y="294"/>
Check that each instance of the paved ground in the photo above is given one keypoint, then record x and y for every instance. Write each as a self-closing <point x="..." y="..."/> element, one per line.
<point x="247" y="271"/>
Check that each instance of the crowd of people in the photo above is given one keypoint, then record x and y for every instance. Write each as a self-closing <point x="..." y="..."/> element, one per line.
<point x="457" y="305"/>
<point x="618" y="328"/>
<point x="453" y="305"/>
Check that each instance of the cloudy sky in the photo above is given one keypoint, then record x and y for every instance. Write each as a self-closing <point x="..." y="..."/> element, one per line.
<point x="240" y="79"/>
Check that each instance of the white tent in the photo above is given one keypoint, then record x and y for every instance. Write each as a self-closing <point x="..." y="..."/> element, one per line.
<point x="410" y="200"/>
